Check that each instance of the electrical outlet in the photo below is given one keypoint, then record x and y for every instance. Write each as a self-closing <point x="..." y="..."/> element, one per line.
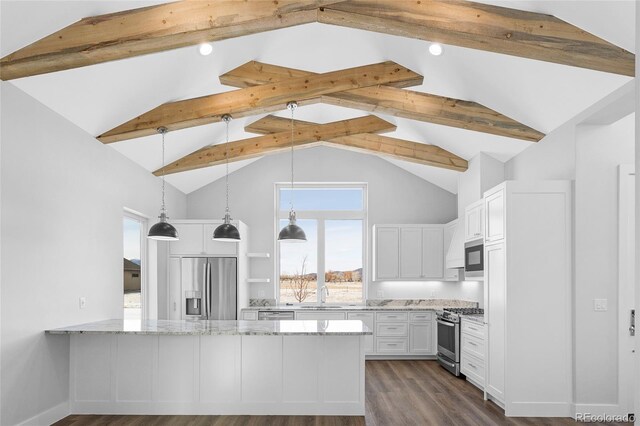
<point x="261" y="294"/>
<point x="380" y="294"/>
<point x="83" y="302"/>
<point x="599" y="305"/>
<point x="433" y="293"/>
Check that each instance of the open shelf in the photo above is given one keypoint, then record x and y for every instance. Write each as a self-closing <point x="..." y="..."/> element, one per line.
<point x="258" y="280"/>
<point x="259" y="255"/>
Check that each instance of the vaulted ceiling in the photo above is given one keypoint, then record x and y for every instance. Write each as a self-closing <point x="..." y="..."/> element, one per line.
<point x="532" y="96"/>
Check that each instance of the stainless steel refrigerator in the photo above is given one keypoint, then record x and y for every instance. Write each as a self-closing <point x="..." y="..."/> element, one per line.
<point x="209" y="288"/>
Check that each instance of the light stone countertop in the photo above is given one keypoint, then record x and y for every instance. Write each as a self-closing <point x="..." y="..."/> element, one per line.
<point x="215" y="328"/>
<point x="374" y="305"/>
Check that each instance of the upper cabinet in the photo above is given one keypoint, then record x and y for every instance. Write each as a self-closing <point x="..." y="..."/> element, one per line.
<point x="387" y="252"/>
<point x="196" y="239"/>
<point x="474" y="221"/>
<point x="495" y="225"/>
<point x="452" y="272"/>
<point x="408" y="252"/>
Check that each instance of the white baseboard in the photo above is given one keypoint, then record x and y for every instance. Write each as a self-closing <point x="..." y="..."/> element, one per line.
<point x="600" y="410"/>
<point x="49" y="416"/>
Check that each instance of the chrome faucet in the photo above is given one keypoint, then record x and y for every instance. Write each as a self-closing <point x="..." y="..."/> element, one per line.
<point x="324" y="292"/>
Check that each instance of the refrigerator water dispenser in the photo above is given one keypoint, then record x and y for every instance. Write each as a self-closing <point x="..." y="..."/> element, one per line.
<point x="194" y="302"/>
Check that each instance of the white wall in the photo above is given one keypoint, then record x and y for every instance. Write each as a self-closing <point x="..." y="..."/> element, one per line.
<point x="599" y="152"/>
<point x="588" y="154"/>
<point x="484" y="173"/>
<point x="63" y="195"/>
<point x="395" y="196"/>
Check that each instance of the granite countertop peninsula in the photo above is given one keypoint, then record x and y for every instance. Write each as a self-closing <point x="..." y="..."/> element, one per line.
<point x="371" y="305"/>
<point x="215" y="328"/>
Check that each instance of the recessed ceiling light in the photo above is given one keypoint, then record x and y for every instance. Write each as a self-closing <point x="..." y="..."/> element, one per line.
<point x="205" y="49"/>
<point x="435" y="49"/>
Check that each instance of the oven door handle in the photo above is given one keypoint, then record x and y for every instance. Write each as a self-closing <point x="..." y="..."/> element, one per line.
<point x="448" y="324"/>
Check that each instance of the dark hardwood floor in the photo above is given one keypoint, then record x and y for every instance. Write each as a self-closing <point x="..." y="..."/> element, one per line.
<point x="398" y="393"/>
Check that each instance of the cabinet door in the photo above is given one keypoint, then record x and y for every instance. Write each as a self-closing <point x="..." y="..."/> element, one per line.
<point x="495" y="309"/>
<point x="421" y="338"/>
<point x="174" y="297"/>
<point x="494" y="210"/>
<point x="410" y="252"/>
<point x="471" y="224"/>
<point x="217" y="248"/>
<point x="190" y="241"/>
<point x="432" y="253"/>
<point x="367" y="319"/>
<point x="387" y="252"/>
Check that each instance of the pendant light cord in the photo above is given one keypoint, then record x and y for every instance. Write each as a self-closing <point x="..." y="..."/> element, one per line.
<point x="226" y="119"/>
<point x="163" y="131"/>
<point x="292" y="106"/>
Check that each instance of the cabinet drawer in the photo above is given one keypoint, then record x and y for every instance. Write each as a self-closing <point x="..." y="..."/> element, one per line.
<point x="473" y="328"/>
<point x="472" y="345"/>
<point x="391" y="329"/>
<point x="472" y="367"/>
<point x="420" y="316"/>
<point x="389" y="345"/>
<point x="392" y="316"/>
<point x="250" y="316"/>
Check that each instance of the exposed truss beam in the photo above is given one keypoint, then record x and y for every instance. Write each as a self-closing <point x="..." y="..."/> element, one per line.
<point x="257" y="100"/>
<point x="484" y="27"/>
<point x="369" y="143"/>
<point x="173" y="25"/>
<point x="276" y="142"/>
<point x="394" y="101"/>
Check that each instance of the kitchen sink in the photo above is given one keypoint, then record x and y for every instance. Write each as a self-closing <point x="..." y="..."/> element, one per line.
<point x="321" y="307"/>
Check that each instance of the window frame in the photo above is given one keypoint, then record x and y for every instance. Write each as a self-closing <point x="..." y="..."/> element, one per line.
<point x="321" y="216"/>
<point x="144" y="255"/>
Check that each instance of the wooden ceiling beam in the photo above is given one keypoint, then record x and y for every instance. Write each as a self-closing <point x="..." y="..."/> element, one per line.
<point x="276" y="142"/>
<point x="397" y="102"/>
<point x="256" y="100"/>
<point x="483" y="27"/>
<point x="430" y="155"/>
<point x="154" y="29"/>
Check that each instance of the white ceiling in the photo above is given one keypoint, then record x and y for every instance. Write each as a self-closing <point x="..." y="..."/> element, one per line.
<point x="97" y="98"/>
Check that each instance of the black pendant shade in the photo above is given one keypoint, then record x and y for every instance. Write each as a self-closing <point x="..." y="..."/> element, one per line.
<point x="226" y="231"/>
<point x="163" y="230"/>
<point x="292" y="233"/>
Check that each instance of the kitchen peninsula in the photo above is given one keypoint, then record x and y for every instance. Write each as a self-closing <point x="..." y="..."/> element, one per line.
<point x="217" y="367"/>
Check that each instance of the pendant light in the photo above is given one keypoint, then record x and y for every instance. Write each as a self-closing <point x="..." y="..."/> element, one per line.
<point x="292" y="233"/>
<point x="227" y="232"/>
<point x="163" y="230"/>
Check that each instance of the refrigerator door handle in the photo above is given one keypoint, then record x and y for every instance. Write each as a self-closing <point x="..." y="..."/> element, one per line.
<point x="205" y="291"/>
<point x="209" y="290"/>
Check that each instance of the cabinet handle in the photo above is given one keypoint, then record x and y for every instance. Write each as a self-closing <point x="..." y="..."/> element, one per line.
<point x="392" y="328"/>
<point x="472" y="328"/>
<point x="392" y="344"/>
<point x="472" y="366"/>
<point x="472" y="343"/>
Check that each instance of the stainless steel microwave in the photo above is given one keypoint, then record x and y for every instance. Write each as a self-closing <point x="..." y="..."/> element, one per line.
<point x="474" y="259"/>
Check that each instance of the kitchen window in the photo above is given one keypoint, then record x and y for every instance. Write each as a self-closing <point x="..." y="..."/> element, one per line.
<point x="334" y="218"/>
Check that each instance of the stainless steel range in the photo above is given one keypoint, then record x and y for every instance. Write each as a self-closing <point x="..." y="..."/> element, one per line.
<point x="449" y="336"/>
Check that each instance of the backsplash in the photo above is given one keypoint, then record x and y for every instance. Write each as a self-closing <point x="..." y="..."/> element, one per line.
<point x="450" y="303"/>
<point x="262" y="302"/>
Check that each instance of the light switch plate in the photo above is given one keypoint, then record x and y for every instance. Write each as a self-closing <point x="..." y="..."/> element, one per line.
<point x="380" y="294"/>
<point x="82" y="302"/>
<point x="599" y="305"/>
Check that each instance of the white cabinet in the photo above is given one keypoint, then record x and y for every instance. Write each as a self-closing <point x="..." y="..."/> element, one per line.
<point x="387" y="250"/>
<point x="250" y="315"/>
<point x="528" y="264"/>
<point x="433" y="252"/>
<point x="368" y="319"/>
<point x="408" y="252"/>
<point x="450" y="274"/>
<point x="474" y="221"/>
<point x="472" y="351"/>
<point x="494" y="205"/>
<point x="196" y="239"/>
<point x="495" y="301"/>
<point x="421" y="339"/>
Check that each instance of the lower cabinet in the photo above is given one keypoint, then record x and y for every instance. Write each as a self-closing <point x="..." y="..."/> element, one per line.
<point x="395" y="333"/>
<point x="472" y="352"/>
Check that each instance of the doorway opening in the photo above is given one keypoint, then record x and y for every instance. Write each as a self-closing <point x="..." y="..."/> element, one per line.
<point x="133" y="237"/>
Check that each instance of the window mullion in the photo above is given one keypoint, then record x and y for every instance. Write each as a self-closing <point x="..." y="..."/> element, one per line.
<point x="321" y="260"/>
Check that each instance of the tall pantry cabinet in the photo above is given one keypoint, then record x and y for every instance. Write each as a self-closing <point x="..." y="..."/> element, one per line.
<point x="528" y="308"/>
